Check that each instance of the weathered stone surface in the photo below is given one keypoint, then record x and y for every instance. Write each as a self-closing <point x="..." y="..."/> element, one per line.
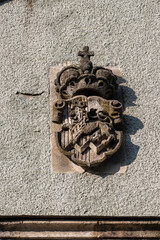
<point x="36" y="35"/>
<point x="80" y="229"/>
<point x="60" y="162"/>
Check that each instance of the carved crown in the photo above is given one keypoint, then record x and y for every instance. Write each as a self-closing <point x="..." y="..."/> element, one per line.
<point x="85" y="79"/>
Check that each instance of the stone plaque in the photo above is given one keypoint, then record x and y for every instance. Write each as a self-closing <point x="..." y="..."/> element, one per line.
<point x="85" y="119"/>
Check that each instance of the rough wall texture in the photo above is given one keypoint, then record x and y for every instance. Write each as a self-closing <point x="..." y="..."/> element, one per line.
<point x="38" y="34"/>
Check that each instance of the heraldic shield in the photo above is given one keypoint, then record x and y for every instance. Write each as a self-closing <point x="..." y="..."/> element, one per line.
<point x="87" y="117"/>
<point x="87" y="129"/>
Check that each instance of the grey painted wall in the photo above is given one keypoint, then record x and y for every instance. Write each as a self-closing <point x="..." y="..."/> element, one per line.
<point x="38" y="34"/>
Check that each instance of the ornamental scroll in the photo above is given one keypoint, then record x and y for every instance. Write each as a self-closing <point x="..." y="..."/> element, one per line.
<point x="88" y="121"/>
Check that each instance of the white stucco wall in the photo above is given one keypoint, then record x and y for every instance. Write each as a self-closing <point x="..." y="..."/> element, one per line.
<point x="36" y="35"/>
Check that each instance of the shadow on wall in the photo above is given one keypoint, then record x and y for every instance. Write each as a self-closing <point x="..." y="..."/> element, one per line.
<point x="128" y="151"/>
<point x="131" y="125"/>
<point x="4" y="2"/>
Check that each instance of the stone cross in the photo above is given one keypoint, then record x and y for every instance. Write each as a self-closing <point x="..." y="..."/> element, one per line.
<point x="86" y="53"/>
<point x="85" y="63"/>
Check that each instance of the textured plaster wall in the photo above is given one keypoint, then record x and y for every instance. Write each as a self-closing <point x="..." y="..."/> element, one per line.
<point x="38" y="34"/>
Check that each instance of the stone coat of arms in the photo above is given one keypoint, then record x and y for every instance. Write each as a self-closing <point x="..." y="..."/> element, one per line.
<point x="87" y="120"/>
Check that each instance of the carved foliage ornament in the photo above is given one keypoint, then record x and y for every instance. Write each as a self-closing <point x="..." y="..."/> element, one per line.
<point x="87" y="120"/>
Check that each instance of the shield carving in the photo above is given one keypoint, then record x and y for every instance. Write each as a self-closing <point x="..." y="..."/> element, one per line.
<point x="87" y="129"/>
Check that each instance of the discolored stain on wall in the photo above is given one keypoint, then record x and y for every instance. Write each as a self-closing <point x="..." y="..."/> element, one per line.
<point x="29" y="11"/>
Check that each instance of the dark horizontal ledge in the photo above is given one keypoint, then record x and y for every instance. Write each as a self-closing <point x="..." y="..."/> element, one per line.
<point x="71" y="217"/>
<point x="58" y="227"/>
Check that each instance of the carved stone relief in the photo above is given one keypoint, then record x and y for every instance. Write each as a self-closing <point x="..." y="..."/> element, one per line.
<point x="86" y="119"/>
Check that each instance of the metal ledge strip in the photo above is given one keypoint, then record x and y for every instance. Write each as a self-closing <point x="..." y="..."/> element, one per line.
<point x="78" y="228"/>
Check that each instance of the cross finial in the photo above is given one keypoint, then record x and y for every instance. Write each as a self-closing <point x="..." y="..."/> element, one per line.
<point x="85" y="53"/>
<point x="85" y="63"/>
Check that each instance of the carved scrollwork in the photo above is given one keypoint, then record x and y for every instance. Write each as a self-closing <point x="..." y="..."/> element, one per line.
<point x="89" y="119"/>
